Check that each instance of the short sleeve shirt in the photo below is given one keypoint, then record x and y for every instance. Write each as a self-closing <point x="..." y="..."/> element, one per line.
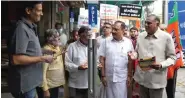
<point x="23" y="78"/>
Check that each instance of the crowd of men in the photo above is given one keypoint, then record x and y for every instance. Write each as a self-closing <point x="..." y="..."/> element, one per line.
<point x="43" y="70"/>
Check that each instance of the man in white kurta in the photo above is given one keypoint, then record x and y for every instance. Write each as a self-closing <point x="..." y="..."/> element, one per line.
<point x="114" y="58"/>
<point x="76" y="64"/>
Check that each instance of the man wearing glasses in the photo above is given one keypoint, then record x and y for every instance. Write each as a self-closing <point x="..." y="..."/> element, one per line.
<point x="107" y="29"/>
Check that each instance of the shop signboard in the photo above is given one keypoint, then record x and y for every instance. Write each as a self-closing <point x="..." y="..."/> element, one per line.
<point x="130" y="10"/>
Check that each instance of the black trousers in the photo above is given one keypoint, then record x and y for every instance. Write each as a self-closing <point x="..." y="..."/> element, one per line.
<point x="54" y="92"/>
<point x="78" y="93"/>
<point x="171" y="86"/>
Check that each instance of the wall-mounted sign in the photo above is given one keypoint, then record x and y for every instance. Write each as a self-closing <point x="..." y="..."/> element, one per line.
<point x="130" y="10"/>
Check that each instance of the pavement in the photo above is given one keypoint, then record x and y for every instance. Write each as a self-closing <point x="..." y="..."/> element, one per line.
<point x="180" y="86"/>
<point x="180" y="90"/>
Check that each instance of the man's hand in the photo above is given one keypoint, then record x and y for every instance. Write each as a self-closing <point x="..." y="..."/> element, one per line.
<point x="64" y="51"/>
<point x="156" y="66"/>
<point x="100" y="65"/>
<point x="47" y="51"/>
<point x="129" y="81"/>
<point x="48" y="58"/>
<point x="104" y="81"/>
<point x="83" y="66"/>
<point x="46" y="94"/>
<point x="132" y="55"/>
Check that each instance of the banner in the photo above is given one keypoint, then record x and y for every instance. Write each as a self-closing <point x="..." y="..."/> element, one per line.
<point x="108" y="13"/>
<point x="93" y="18"/>
<point x="182" y="27"/>
<point x="173" y="29"/>
<point x="181" y="15"/>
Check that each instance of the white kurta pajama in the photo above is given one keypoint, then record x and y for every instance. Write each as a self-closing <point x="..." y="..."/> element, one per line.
<point x="77" y="55"/>
<point x="116" y="64"/>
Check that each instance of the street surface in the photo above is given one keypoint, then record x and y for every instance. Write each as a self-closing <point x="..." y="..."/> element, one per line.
<point x="180" y="86"/>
